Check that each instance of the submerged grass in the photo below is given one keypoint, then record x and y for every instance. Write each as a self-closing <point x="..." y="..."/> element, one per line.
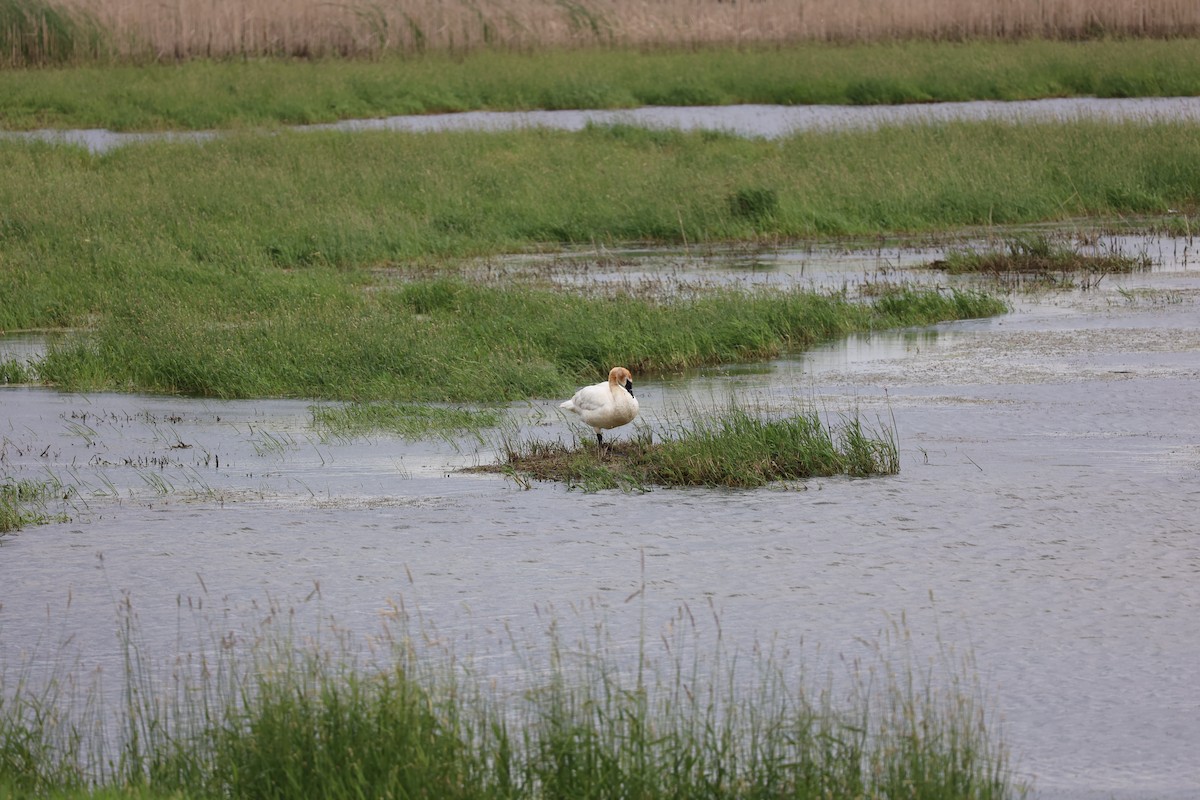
<point x="23" y="502"/>
<point x="1038" y="254"/>
<point x="734" y="447"/>
<point x="261" y="714"/>
<point x="403" y="419"/>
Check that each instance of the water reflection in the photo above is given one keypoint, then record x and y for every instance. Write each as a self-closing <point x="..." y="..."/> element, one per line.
<point x="24" y="347"/>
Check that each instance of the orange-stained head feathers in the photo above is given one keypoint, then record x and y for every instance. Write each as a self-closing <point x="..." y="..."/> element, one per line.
<point x="619" y="376"/>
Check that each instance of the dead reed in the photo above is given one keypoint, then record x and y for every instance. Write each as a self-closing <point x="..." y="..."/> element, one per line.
<point x="187" y="29"/>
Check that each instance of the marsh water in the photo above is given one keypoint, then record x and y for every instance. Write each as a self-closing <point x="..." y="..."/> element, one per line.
<point x="1045" y="517"/>
<point x="742" y="120"/>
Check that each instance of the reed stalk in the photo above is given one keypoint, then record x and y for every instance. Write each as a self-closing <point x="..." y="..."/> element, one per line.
<point x="145" y="29"/>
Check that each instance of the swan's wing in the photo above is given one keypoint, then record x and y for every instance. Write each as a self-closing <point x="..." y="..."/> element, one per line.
<point x="590" y="398"/>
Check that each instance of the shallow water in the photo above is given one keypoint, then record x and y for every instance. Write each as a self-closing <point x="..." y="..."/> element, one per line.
<point x="743" y="120"/>
<point x="1045" y="518"/>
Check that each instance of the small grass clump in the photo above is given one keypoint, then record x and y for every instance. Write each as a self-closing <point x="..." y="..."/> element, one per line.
<point x="1039" y="255"/>
<point x="734" y="448"/>
<point x="16" y="372"/>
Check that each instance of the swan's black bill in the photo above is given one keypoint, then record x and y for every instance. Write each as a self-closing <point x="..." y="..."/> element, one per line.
<point x="629" y="387"/>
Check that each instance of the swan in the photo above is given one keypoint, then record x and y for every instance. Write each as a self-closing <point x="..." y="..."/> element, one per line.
<point x="608" y="404"/>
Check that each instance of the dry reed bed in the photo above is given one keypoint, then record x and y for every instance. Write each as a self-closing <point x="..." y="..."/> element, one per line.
<point x="182" y="29"/>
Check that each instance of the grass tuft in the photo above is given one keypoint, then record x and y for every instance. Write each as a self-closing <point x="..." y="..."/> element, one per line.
<point x="14" y="372"/>
<point x="23" y="503"/>
<point x="733" y="448"/>
<point x="754" y="204"/>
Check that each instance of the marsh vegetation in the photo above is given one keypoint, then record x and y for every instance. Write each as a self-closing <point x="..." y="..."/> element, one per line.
<point x="330" y="266"/>
<point x="319" y="265"/>
<point x="23" y="502"/>
<point x="227" y="270"/>
<point x="734" y="447"/>
<point x="322" y="265"/>
<point x="452" y="341"/>
<point x="240" y="94"/>
<point x="55" y="31"/>
<point x="1041" y="256"/>
<point x="276" y="710"/>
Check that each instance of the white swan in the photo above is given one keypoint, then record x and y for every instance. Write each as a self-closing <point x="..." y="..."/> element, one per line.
<point x="609" y="404"/>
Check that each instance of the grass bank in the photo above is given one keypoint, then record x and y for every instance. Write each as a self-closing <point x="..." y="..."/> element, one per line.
<point x="454" y="341"/>
<point x="241" y="93"/>
<point x="734" y="447"/>
<point x="72" y="224"/>
<point x="265" y="715"/>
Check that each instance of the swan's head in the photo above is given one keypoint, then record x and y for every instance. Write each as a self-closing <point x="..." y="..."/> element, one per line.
<point x="619" y="376"/>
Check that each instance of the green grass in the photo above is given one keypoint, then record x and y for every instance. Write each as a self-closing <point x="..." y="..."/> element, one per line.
<point x="280" y="718"/>
<point x="733" y="447"/>
<point x="288" y="265"/>
<point x="252" y="216"/>
<point x="239" y="93"/>
<point x="458" y="342"/>
<point x="16" y="372"/>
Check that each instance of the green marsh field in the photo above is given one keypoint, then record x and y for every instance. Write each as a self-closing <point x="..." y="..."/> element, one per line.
<point x="218" y="269"/>
<point x="333" y="266"/>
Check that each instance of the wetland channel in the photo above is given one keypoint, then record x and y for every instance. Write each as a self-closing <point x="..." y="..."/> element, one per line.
<point x="1045" y="517"/>
<point x="742" y="120"/>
